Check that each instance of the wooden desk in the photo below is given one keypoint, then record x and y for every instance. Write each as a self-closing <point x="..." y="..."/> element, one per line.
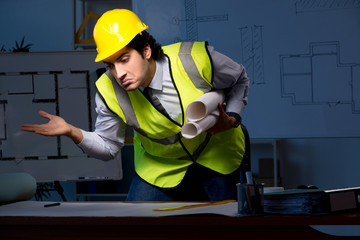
<point x="172" y="227"/>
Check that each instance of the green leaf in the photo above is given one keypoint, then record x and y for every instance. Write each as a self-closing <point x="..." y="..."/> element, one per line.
<point x="22" y="41"/>
<point x="28" y="46"/>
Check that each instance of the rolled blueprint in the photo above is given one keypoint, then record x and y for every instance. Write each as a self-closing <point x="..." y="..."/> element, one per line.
<point x="16" y="187"/>
<point x="202" y="114"/>
<point x="204" y="105"/>
<point x="192" y="129"/>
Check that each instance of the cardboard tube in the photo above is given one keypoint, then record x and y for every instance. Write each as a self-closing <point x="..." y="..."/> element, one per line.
<point x="192" y="129"/>
<point x="204" y="105"/>
<point x="16" y="187"/>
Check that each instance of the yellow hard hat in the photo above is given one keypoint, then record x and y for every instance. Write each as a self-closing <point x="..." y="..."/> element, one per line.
<point x="114" y="30"/>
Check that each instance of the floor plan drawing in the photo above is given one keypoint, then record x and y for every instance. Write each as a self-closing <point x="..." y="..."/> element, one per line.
<point x="60" y="83"/>
<point x="305" y="77"/>
<point x="31" y="89"/>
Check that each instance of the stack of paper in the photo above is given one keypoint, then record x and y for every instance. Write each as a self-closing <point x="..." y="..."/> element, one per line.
<point x="311" y="201"/>
<point x="298" y="201"/>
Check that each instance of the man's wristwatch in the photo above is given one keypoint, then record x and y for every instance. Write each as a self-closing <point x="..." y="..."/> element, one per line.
<point x="236" y="116"/>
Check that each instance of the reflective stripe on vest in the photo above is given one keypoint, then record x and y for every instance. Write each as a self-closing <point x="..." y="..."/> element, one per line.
<point x="190" y="65"/>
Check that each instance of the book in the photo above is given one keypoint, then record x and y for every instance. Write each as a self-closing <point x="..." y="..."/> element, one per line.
<point x="311" y="201"/>
<point x="344" y="199"/>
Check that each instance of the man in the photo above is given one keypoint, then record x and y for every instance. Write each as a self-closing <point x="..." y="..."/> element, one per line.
<point x="148" y="87"/>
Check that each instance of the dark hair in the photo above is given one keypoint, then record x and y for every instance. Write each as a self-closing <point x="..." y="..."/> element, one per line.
<point x="139" y="42"/>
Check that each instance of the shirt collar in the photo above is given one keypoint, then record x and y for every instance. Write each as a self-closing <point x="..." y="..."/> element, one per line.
<point x="157" y="81"/>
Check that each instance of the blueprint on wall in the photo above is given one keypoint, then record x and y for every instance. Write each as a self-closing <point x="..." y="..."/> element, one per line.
<point x="302" y="57"/>
<point x="61" y="83"/>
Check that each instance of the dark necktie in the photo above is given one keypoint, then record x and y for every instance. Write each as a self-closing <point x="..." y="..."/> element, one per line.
<point x="154" y="100"/>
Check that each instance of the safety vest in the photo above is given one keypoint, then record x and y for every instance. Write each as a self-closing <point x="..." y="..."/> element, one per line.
<point x="161" y="154"/>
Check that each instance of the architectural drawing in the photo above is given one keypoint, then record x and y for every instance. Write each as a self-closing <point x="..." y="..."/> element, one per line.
<point x="24" y="93"/>
<point x="319" y="77"/>
<point x="302" y="6"/>
<point x="252" y="53"/>
<point x="192" y="19"/>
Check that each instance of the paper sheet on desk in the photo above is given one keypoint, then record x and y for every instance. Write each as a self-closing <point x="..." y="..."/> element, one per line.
<point x="113" y="209"/>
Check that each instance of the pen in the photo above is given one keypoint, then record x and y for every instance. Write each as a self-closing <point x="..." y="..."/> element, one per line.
<point x="249" y="178"/>
<point x="93" y="178"/>
<point x="52" y="204"/>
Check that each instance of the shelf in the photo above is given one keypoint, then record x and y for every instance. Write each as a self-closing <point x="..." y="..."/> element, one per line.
<point x="274" y="143"/>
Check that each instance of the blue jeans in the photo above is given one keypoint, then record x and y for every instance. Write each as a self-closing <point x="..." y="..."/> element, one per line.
<point x="199" y="184"/>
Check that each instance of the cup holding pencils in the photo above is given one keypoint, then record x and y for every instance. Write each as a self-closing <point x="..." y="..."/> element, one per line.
<point x="250" y="199"/>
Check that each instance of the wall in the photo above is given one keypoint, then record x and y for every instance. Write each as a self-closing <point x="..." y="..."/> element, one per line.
<point x="48" y="25"/>
<point x="325" y="162"/>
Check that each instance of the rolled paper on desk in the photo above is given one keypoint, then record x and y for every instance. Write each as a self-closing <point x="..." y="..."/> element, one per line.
<point x="16" y="187"/>
<point x="192" y="129"/>
<point x="204" y="105"/>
